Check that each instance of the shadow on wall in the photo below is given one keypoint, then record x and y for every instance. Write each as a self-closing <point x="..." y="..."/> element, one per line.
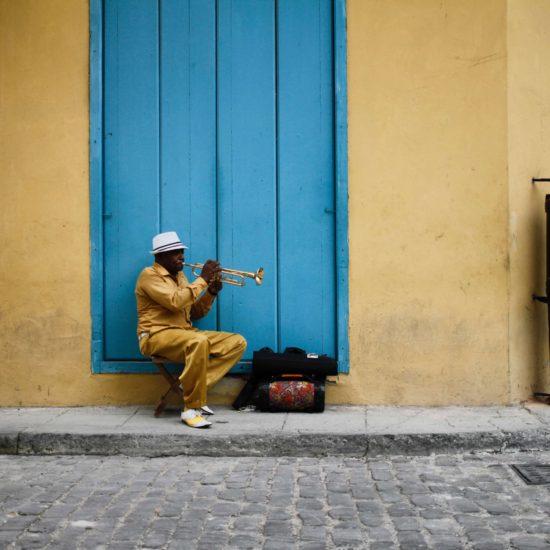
<point x="538" y="312"/>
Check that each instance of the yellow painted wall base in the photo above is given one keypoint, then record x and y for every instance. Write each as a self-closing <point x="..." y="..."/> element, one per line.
<point x="448" y="121"/>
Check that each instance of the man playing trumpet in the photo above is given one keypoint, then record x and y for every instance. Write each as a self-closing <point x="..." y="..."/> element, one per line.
<point x="167" y="304"/>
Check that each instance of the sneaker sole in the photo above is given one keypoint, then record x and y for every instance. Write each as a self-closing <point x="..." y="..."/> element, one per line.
<point x="202" y="427"/>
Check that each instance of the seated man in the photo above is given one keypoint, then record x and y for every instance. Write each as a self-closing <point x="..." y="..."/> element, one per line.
<point x="167" y="304"/>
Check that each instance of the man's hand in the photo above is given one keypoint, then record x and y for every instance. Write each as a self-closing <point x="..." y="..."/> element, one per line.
<point x="215" y="286"/>
<point x="210" y="270"/>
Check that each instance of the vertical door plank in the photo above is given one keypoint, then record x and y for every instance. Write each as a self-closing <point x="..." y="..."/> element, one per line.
<point x="131" y="162"/>
<point x="247" y="165"/>
<point x="307" y="284"/>
<point x="341" y="182"/>
<point x="188" y="128"/>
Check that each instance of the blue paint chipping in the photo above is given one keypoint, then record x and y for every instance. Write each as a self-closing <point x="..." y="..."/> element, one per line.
<point x="227" y="121"/>
<point x="341" y="188"/>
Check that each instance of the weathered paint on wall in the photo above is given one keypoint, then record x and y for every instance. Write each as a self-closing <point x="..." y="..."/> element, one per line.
<point x="428" y="202"/>
<point x="45" y="310"/>
<point x="428" y="156"/>
<point x="529" y="142"/>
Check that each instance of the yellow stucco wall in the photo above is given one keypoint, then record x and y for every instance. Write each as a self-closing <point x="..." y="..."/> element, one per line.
<point x="428" y="202"/>
<point x="428" y="187"/>
<point x="45" y="282"/>
<point x="529" y="146"/>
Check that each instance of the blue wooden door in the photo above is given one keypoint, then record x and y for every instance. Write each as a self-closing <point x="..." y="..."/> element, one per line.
<point x="219" y="124"/>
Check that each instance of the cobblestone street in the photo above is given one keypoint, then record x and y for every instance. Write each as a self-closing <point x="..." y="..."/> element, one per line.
<point x="443" y="502"/>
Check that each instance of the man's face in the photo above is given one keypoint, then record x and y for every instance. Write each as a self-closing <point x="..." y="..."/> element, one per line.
<point x="172" y="261"/>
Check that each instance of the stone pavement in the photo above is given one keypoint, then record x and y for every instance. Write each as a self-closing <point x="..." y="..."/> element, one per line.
<point x="344" y="431"/>
<point x="442" y="501"/>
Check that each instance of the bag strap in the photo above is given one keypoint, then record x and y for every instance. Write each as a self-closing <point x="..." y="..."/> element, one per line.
<point x="295" y="351"/>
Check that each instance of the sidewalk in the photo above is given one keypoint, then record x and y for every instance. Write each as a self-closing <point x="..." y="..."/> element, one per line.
<point x="340" y="430"/>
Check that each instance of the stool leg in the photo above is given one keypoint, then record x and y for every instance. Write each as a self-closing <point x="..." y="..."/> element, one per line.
<point x="174" y="383"/>
<point x="162" y="404"/>
<point x="174" y="387"/>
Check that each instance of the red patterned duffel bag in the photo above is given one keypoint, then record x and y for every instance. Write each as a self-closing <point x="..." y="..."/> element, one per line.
<point x="292" y="381"/>
<point x="292" y="393"/>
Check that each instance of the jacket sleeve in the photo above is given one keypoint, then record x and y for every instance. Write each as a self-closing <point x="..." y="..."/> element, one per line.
<point x="202" y="306"/>
<point x="165" y="294"/>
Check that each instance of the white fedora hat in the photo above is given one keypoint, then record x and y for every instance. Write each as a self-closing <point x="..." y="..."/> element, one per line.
<point x="164" y="242"/>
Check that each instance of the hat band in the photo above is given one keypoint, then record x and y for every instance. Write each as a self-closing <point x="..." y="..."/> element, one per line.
<point x="171" y="246"/>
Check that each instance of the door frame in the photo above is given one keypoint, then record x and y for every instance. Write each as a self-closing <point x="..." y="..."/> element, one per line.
<point x="99" y="365"/>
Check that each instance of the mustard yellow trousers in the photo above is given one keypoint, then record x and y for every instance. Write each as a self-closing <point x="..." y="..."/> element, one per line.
<point x="208" y="355"/>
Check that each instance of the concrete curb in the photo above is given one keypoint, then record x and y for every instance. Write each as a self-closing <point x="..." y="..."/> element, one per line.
<point x="425" y="444"/>
<point x="9" y="443"/>
<point x="269" y="445"/>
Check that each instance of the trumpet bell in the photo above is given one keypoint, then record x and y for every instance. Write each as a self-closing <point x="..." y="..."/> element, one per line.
<point x="259" y="276"/>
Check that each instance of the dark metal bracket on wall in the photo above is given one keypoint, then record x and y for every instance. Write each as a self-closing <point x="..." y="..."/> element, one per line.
<point x="544" y="299"/>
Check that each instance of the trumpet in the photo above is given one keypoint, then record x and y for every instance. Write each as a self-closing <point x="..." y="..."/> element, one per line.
<point x="231" y="276"/>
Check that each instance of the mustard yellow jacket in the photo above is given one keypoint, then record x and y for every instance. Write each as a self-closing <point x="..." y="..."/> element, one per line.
<point x="164" y="303"/>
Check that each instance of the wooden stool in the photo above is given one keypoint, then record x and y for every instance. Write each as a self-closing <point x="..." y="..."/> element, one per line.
<point x="173" y="382"/>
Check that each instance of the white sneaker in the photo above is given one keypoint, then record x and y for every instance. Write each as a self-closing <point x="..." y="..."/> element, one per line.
<point x="205" y="409"/>
<point x="194" y="419"/>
